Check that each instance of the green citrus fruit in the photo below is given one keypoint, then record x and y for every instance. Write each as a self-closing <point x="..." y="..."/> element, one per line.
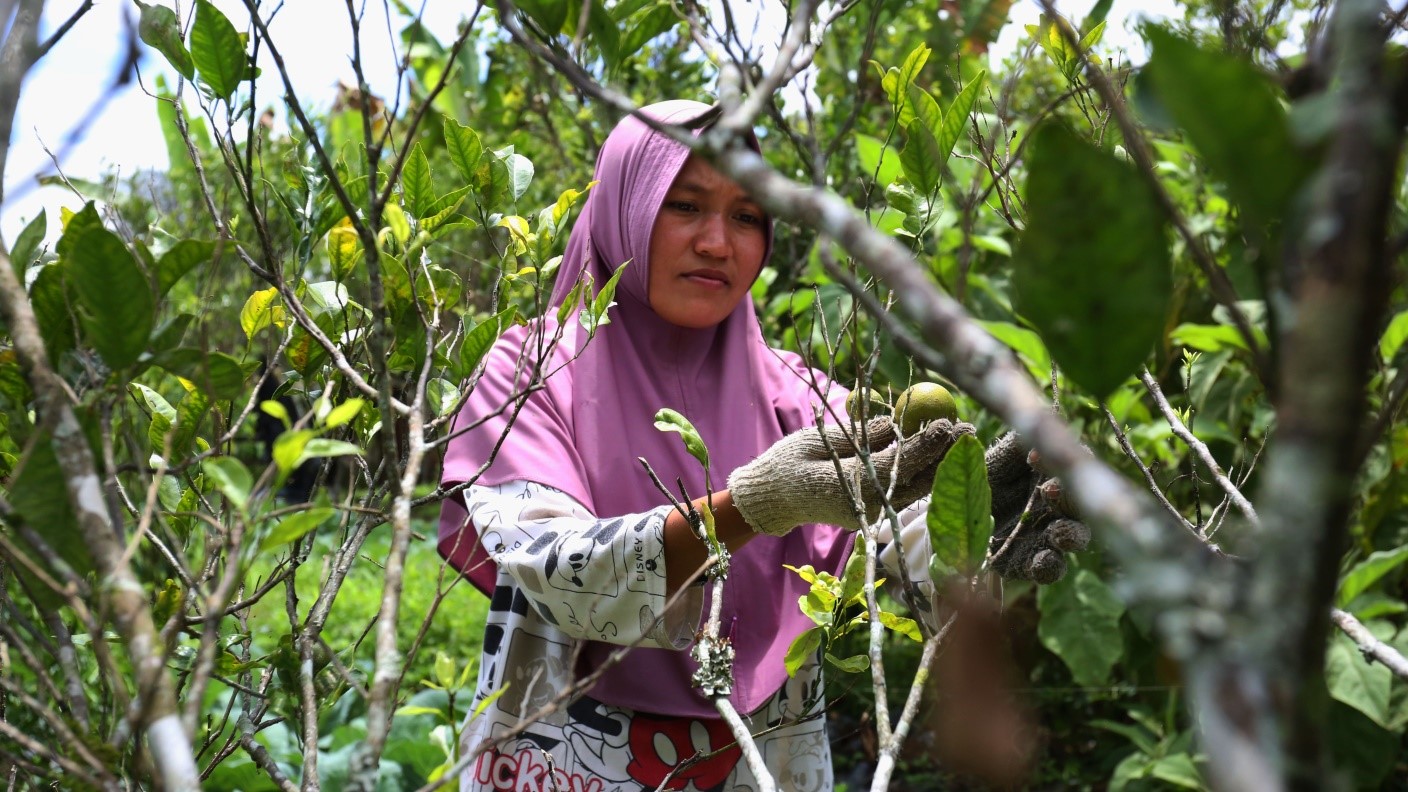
<point x="875" y="404"/>
<point x="922" y="403"/>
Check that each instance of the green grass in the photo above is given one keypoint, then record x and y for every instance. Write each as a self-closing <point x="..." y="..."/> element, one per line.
<point x="456" y="627"/>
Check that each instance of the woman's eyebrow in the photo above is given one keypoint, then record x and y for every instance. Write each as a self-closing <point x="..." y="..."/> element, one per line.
<point x="688" y="186"/>
<point x="697" y="188"/>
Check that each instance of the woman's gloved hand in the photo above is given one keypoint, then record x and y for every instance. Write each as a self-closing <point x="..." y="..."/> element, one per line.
<point x="794" y="482"/>
<point x="1051" y="528"/>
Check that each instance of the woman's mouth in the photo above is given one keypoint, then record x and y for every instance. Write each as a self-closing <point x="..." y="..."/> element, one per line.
<point x="707" y="278"/>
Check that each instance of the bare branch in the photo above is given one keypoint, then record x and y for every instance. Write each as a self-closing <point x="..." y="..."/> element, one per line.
<point x="1372" y="647"/>
<point x="1199" y="448"/>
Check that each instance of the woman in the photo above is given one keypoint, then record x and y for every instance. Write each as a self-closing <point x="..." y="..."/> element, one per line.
<point x="579" y="551"/>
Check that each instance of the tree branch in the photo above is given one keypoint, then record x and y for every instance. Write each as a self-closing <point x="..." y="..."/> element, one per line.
<point x="1199" y="448"/>
<point x="1372" y="647"/>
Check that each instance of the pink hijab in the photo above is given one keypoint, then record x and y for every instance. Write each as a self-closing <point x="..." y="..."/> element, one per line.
<point x="584" y="429"/>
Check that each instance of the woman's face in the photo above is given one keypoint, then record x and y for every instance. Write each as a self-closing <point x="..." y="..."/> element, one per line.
<point x="706" y="247"/>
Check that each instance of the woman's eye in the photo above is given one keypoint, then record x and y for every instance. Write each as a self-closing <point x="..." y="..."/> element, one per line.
<point x="748" y="218"/>
<point x="680" y="206"/>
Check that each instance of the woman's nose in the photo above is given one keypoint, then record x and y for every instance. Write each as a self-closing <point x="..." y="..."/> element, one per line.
<point x="712" y="237"/>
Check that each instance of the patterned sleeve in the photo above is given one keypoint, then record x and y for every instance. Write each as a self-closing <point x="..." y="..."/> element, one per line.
<point x="594" y="579"/>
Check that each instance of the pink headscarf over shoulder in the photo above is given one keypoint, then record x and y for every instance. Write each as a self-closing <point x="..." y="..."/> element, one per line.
<point x="584" y="429"/>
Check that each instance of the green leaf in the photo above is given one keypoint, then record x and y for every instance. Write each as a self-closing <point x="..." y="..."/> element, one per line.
<point x="444" y="670"/>
<point x="549" y="14"/>
<point x="319" y="447"/>
<point x="1389" y="344"/>
<point x="288" y="449"/>
<point x="1176" y="769"/>
<point x="492" y="183"/>
<point x="926" y="110"/>
<point x="490" y="699"/>
<point x="160" y="29"/>
<point x="1092" y="37"/>
<point x="646" y="25"/>
<point x="181" y="259"/>
<point x="853" y="578"/>
<point x="921" y="158"/>
<point x="1374" y="605"/>
<point x="606" y="34"/>
<point x="411" y="709"/>
<point x="956" y="117"/>
<point x="27" y="244"/>
<point x="574" y="297"/>
<point x="416" y="187"/>
<point x="520" y="172"/>
<point x="261" y="311"/>
<point x="1368" y="572"/>
<point x="1233" y="115"/>
<point x="163" y="415"/>
<point x="818" y="604"/>
<point x="1207" y="338"/>
<point x="960" y="512"/>
<point x="851" y="665"/>
<point x="218" y="51"/>
<point x="1147" y="743"/>
<point x="194" y="409"/>
<point x="113" y="292"/>
<point x="602" y="302"/>
<point x="1025" y="343"/>
<point x="295" y="526"/>
<point x="667" y="420"/>
<point x="344" y="250"/>
<point x="1092" y="271"/>
<point x="323" y="447"/>
<point x="478" y="341"/>
<point x="1097" y="14"/>
<point x="903" y="625"/>
<point x="1080" y="623"/>
<point x="443" y="215"/>
<point x="1355" y="681"/>
<point x="276" y="409"/>
<point x="49" y="296"/>
<point x="806" y="572"/>
<point x="231" y="477"/>
<point x="215" y="373"/>
<point x="343" y="413"/>
<point x="39" y="495"/>
<point x="896" y="83"/>
<point x="877" y="160"/>
<point x="464" y="148"/>
<point x="153" y="400"/>
<point x="802" y="649"/>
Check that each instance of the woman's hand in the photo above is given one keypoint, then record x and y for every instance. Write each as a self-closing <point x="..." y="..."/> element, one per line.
<point x="796" y="482"/>
<point x="1023" y="496"/>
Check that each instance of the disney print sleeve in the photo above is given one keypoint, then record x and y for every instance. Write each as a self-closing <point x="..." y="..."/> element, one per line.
<point x="599" y="579"/>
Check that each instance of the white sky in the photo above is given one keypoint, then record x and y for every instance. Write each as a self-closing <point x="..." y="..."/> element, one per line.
<point x="316" y="45"/>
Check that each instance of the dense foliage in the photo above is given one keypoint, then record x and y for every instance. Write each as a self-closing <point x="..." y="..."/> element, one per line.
<point x="258" y="353"/>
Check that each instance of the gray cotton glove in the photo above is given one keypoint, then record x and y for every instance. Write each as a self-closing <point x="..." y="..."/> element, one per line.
<point x="794" y="482"/>
<point x="1052" y="527"/>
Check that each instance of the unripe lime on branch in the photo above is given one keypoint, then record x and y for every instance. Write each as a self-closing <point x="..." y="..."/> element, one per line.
<point x="874" y="405"/>
<point x="922" y="403"/>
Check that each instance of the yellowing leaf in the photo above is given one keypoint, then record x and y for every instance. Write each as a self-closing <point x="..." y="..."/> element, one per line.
<point x="260" y="311"/>
<point x="344" y="249"/>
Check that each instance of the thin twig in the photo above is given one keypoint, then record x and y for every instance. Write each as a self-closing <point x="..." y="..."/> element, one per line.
<point x="1149" y="479"/>
<point x="1199" y="448"/>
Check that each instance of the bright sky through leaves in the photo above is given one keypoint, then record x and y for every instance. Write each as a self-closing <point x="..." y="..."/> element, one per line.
<point x="125" y="135"/>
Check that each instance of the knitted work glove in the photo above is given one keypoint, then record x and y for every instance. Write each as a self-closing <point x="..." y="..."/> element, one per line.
<point x="1051" y="528"/>
<point x="794" y="482"/>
